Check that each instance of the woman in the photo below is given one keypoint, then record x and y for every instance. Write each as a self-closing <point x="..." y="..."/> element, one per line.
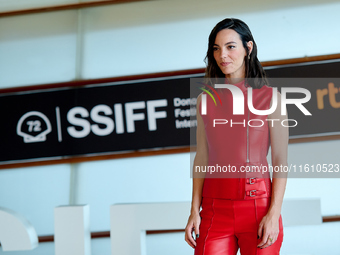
<point x="240" y="210"/>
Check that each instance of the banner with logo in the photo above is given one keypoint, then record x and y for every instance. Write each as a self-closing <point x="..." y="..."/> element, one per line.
<point x="95" y="120"/>
<point x="140" y="115"/>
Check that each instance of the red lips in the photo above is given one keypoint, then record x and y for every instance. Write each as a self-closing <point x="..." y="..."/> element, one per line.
<point x="225" y="63"/>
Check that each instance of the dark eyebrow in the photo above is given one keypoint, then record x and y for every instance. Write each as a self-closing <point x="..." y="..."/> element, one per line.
<point x="226" y="43"/>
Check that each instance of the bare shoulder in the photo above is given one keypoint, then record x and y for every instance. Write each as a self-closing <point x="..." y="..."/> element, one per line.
<point x="199" y="97"/>
<point x="277" y="113"/>
<point x="278" y="94"/>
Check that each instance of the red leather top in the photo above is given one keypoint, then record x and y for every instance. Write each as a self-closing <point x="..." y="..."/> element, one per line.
<point x="228" y="146"/>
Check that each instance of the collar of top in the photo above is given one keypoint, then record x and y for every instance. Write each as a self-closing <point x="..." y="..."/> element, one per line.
<point x="241" y="85"/>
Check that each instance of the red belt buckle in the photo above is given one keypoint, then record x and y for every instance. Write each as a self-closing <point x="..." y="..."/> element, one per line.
<point x="252" y="193"/>
<point x="252" y="180"/>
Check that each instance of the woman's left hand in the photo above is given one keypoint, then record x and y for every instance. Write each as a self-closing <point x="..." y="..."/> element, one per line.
<point x="268" y="230"/>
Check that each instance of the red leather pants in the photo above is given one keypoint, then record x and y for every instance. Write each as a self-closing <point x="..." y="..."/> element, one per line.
<point x="227" y="225"/>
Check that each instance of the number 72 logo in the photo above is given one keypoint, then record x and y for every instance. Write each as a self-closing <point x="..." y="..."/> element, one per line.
<point x="33" y="127"/>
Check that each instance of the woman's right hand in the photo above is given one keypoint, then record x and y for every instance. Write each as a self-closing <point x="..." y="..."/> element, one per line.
<point x="193" y="225"/>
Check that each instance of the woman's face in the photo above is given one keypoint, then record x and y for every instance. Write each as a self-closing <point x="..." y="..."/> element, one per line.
<point x="229" y="53"/>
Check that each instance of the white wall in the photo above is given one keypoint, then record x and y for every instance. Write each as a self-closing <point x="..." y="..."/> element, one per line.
<point x="142" y="37"/>
<point x="33" y="53"/>
<point x="148" y="37"/>
<point x="34" y="192"/>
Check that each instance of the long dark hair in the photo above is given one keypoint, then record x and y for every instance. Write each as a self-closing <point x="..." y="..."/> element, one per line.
<point x="255" y="76"/>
